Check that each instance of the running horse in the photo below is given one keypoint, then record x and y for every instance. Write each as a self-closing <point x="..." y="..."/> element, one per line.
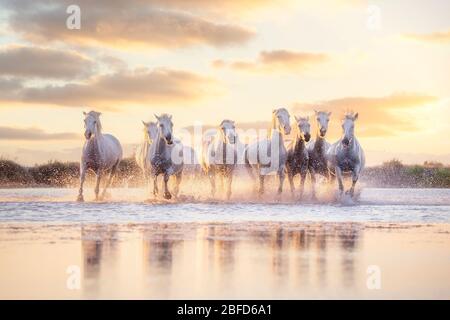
<point x="101" y="153"/>
<point x="347" y="155"/>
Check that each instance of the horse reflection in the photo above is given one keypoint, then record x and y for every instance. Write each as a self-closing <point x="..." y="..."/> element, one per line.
<point x="349" y="242"/>
<point x="158" y="252"/>
<point x="221" y="248"/>
<point x="97" y="243"/>
<point x="295" y="252"/>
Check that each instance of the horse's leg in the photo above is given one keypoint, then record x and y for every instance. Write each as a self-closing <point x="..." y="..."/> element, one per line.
<point x="167" y="194"/>
<point x="312" y="173"/>
<point x="178" y="178"/>
<point x="331" y="181"/>
<point x="97" y="184"/>
<point x="110" y="179"/>
<point x="82" y="179"/>
<point x="281" y="176"/>
<point x="302" y="180"/>
<point x="229" y="182"/>
<point x="221" y="177"/>
<point x="291" y="181"/>
<point x="339" y="179"/>
<point x="146" y="180"/>
<point x="212" y="180"/>
<point x="155" y="185"/>
<point x="355" y="176"/>
<point x="261" y="184"/>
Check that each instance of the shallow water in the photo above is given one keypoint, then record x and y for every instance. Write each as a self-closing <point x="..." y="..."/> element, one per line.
<point x="52" y="247"/>
<point x="255" y="260"/>
<point x="129" y="205"/>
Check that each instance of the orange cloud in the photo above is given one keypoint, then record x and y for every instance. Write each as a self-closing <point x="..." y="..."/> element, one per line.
<point x="34" y="134"/>
<point x="379" y="116"/>
<point x="140" y="87"/>
<point x="434" y="37"/>
<point x="122" y="24"/>
<point x="276" y="60"/>
<point x="35" y="62"/>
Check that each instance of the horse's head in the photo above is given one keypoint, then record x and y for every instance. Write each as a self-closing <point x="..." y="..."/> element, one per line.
<point x="281" y="116"/>
<point x="304" y="128"/>
<point x="92" y="124"/>
<point x="165" y="127"/>
<point x="150" y="130"/>
<point x="348" y="127"/>
<point x="228" y="131"/>
<point x="323" y="118"/>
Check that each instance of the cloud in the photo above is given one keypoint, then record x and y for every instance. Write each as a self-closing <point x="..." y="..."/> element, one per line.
<point x="9" y="87"/>
<point x="439" y="37"/>
<point x="139" y="87"/>
<point x="121" y="24"/>
<point x="35" y="62"/>
<point x="34" y="134"/>
<point x="379" y="116"/>
<point x="276" y="60"/>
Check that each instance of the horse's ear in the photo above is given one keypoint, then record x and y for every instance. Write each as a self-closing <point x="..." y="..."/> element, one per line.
<point x="156" y="116"/>
<point x="316" y="112"/>
<point x="355" y="116"/>
<point x="84" y="113"/>
<point x="144" y="123"/>
<point x="296" y="119"/>
<point x="274" y="110"/>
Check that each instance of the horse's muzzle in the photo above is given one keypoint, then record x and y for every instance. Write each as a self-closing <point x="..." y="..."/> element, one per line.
<point x="87" y="135"/>
<point x="345" y="142"/>
<point x="307" y="137"/>
<point x="323" y="133"/>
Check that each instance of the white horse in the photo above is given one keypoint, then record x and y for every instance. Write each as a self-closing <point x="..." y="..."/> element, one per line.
<point x="143" y="150"/>
<point x="101" y="152"/>
<point x="347" y="155"/>
<point x="317" y="150"/>
<point x="269" y="155"/>
<point x="298" y="158"/>
<point x="220" y="156"/>
<point x="166" y="156"/>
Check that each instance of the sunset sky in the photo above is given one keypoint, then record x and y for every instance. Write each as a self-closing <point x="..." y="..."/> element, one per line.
<point x="204" y="61"/>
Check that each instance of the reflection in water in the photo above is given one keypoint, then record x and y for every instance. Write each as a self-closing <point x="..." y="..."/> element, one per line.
<point x="252" y="260"/>
<point x="221" y="256"/>
<point x="348" y="239"/>
<point x="98" y="244"/>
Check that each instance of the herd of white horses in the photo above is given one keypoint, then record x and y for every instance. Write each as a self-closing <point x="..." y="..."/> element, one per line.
<point x="160" y="153"/>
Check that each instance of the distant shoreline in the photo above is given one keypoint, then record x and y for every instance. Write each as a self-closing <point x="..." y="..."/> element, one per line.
<point x="55" y="174"/>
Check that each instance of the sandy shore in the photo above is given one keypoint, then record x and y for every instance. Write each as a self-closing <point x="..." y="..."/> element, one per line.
<point x="224" y="260"/>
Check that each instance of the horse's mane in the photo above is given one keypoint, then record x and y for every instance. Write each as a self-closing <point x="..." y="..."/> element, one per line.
<point x="146" y="134"/>
<point x="274" y="114"/>
<point x="349" y="115"/>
